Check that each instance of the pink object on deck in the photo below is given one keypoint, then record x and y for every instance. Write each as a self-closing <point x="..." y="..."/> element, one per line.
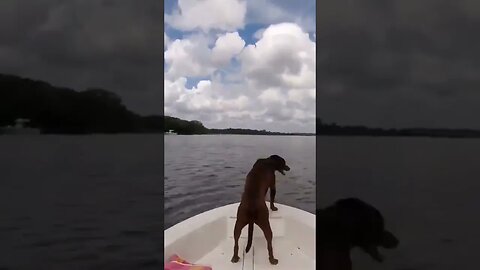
<point x="177" y="263"/>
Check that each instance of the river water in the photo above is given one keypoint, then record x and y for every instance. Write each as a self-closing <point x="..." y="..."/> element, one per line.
<point x="81" y="202"/>
<point x="427" y="189"/>
<point x="204" y="172"/>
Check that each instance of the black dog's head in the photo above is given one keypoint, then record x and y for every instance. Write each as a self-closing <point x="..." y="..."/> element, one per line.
<point x="279" y="163"/>
<point x="354" y="223"/>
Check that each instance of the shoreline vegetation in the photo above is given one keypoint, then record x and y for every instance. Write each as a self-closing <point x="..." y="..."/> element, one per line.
<point x="60" y="110"/>
<point x="337" y="130"/>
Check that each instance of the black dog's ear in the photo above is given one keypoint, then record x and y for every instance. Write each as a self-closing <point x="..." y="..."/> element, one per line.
<point x="389" y="240"/>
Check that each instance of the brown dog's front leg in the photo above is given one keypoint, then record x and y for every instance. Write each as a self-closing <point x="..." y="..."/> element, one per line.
<point x="273" y="191"/>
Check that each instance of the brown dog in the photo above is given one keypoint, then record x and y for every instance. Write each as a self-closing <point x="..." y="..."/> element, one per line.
<point x="346" y="224"/>
<point x="252" y="208"/>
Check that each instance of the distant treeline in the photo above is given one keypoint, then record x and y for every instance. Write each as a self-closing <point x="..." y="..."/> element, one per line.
<point x="337" y="130"/>
<point x="254" y="132"/>
<point x="181" y="126"/>
<point x="184" y="127"/>
<point x="63" y="110"/>
<point x="66" y="111"/>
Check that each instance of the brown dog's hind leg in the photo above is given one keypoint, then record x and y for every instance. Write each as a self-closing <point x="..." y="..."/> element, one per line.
<point x="267" y="231"/>
<point x="239" y="224"/>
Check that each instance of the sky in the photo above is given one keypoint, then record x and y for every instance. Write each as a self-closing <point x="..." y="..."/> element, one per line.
<point x="399" y="63"/>
<point x="241" y="63"/>
<point x="389" y="63"/>
<point x="110" y="44"/>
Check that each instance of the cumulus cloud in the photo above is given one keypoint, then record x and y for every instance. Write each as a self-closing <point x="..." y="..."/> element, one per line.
<point x="284" y="55"/>
<point x="204" y="98"/>
<point x="281" y="68"/>
<point x="258" y="34"/>
<point x="193" y="57"/>
<point x="188" y="57"/>
<point x="270" y="110"/>
<point x="226" y="47"/>
<point x="217" y="78"/>
<point x="205" y="15"/>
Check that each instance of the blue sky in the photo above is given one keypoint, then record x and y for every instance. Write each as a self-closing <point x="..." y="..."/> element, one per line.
<point x="241" y="63"/>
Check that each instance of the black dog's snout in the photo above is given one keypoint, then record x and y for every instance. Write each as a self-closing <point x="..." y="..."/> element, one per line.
<point x="287" y="168"/>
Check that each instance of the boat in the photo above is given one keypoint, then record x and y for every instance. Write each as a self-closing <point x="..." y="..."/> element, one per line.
<point x="170" y="132"/>
<point x="207" y="239"/>
<point x="19" y="128"/>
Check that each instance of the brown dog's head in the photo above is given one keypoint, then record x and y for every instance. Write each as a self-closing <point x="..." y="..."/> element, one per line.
<point x="279" y="163"/>
<point x="365" y="226"/>
<point x="353" y="223"/>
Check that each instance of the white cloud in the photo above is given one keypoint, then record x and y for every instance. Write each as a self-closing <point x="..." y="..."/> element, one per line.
<point x="188" y="57"/>
<point x="203" y="98"/>
<point x="226" y="47"/>
<point x="173" y="90"/>
<point x="283" y="57"/>
<point x="259" y="33"/>
<point x="270" y="85"/>
<point x="281" y="68"/>
<point x="272" y="96"/>
<point x="192" y="57"/>
<point x="227" y="15"/>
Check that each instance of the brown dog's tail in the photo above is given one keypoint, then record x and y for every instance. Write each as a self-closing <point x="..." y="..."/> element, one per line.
<point x="250" y="236"/>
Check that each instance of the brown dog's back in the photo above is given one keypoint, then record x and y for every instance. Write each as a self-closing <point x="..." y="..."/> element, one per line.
<point x="257" y="183"/>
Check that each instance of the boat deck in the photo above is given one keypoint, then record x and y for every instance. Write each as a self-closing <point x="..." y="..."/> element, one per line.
<point x="293" y="242"/>
<point x="289" y="256"/>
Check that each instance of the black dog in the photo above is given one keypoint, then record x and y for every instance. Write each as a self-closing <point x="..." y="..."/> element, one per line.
<point x="350" y="223"/>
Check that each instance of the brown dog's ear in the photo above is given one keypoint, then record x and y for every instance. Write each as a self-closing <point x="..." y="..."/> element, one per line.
<point x="275" y="157"/>
<point x="270" y="162"/>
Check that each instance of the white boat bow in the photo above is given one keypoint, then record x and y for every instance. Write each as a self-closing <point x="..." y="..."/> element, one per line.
<point x="207" y="239"/>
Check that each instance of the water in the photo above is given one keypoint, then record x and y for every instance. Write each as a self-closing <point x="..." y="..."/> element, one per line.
<point x="427" y="189"/>
<point x="93" y="202"/>
<point x="81" y="202"/>
<point x="204" y="172"/>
